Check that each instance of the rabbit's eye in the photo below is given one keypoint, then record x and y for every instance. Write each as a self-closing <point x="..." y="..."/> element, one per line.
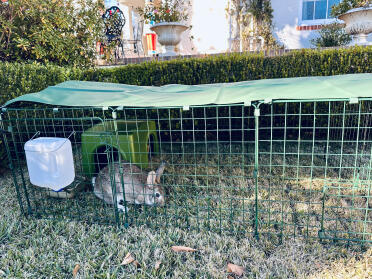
<point x="157" y="195"/>
<point x="121" y="202"/>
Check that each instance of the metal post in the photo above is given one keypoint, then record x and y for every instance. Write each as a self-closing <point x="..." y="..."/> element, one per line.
<point x="114" y="117"/>
<point x="255" y="171"/>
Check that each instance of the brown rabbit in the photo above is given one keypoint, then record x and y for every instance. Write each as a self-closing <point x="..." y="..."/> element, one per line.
<point x="139" y="188"/>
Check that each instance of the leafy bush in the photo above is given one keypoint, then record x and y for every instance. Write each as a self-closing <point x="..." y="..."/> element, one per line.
<point x="331" y="35"/>
<point x="253" y="22"/>
<point x="346" y="5"/>
<point x="63" y="32"/>
<point x="17" y="79"/>
<point x="165" y="11"/>
<point x="239" y="67"/>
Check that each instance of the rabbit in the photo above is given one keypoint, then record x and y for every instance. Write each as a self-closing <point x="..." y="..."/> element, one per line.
<point x="139" y="187"/>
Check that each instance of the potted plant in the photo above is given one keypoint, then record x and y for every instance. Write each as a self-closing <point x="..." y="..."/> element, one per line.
<point x="357" y="15"/>
<point x="167" y="20"/>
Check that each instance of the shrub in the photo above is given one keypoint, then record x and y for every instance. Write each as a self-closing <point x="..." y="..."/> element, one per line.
<point x="165" y="11"/>
<point x="331" y="35"/>
<point x="346" y="5"/>
<point x="18" y="78"/>
<point x="239" y="67"/>
<point x="63" y="32"/>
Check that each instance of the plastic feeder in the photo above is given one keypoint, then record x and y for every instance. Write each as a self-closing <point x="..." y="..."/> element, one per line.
<point x="50" y="162"/>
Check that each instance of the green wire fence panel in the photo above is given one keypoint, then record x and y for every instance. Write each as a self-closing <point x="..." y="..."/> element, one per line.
<point x="315" y="167"/>
<point x="283" y="168"/>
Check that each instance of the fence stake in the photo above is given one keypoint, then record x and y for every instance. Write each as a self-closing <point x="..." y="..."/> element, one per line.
<point x="255" y="171"/>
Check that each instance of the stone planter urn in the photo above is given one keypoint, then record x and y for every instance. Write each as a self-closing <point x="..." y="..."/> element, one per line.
<point x="358" y="23"/>
<point x="169" y="35"/>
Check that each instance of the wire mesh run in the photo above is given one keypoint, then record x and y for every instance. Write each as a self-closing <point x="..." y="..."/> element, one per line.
<point x="290" y="168"/>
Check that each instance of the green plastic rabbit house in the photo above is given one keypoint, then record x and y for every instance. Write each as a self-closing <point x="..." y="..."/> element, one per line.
<point x="135" y="140"/>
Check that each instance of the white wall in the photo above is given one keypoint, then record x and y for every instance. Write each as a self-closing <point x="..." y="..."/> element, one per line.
<point x="286" y="19"/>
<point x="210" y="26"/>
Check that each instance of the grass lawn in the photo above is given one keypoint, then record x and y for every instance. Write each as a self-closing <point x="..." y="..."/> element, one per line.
<point x="39" y="248"/>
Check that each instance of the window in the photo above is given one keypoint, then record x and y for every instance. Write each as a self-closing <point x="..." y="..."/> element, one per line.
<point x="317" y="9"/>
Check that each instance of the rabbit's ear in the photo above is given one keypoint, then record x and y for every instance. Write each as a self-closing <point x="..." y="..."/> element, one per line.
<point x="151" y="178"/>
<point x="160" y="171"/>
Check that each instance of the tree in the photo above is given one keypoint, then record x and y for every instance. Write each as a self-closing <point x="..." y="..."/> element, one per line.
<point x="262" y="13"/>
<point x="254" y="22"/>
<point x="234" y="10"/>
<point x="64" y="32"/>
<point x="331" y="35"/>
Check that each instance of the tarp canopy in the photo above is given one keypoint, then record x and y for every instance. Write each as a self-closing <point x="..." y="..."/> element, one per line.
<point x="100" y="94"/>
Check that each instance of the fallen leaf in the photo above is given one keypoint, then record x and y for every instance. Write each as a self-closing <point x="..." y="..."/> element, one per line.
<point x="236" y="269"/>
<point x="230" y="277"/>
<point x="183" y="249"/>
<point x="128" y="259"/>
<point x="157" y="265"/>
<point x="136" y="264"/>
<point x="75" y="271"/>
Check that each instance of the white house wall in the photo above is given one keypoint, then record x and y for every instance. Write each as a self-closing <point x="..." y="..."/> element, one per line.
<point x="210" y="27"/>
<point x="286" y="20"/>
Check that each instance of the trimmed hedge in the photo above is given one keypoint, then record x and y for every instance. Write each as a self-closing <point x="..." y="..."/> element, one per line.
<point x="239" y="67"/>
<point x="17" y="79"/>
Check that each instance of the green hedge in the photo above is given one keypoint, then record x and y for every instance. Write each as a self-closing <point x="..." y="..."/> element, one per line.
<point x="17" y="79"/>
<point x="239" y="67"/>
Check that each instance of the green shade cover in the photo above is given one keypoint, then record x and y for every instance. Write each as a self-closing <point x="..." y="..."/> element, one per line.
<point x="100" y="94"/>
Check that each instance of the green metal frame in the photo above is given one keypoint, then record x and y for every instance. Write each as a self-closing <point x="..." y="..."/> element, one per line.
<point x="284" y="168"/>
